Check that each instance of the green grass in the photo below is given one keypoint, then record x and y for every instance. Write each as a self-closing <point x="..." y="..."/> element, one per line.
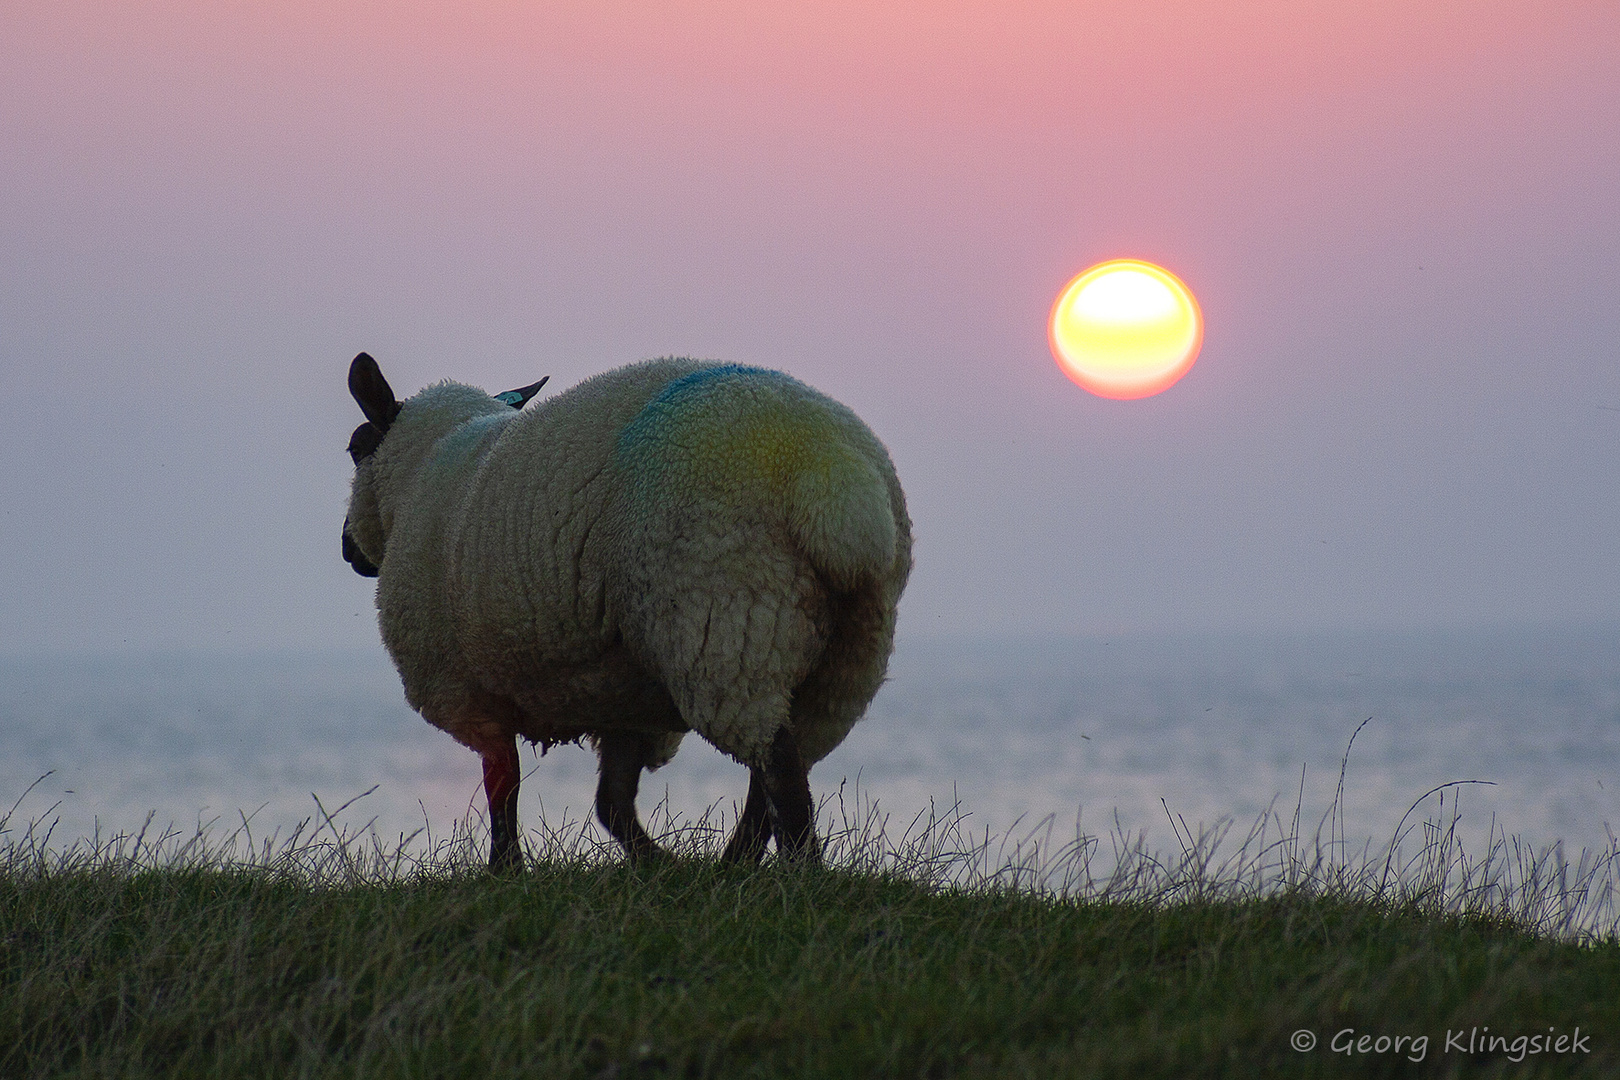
<point x="930" y="955"/>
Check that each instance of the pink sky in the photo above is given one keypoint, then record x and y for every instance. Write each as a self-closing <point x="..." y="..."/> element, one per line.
<point x="1399" y="218"/>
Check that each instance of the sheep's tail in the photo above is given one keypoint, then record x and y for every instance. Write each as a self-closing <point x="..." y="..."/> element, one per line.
<point x="840" y="510"/>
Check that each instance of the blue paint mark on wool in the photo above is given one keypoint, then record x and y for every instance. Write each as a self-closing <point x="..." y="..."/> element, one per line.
<point x="653" y="420"/>
<point x="689" y="386"/>
<point x="721" y="428"/>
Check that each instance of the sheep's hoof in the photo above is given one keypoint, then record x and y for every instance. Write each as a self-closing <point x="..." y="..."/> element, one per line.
<point x="506" y="859"/>
<point x="744" y="850"/>
<point x="809" y="855"/>
<point x="647" y="853"/>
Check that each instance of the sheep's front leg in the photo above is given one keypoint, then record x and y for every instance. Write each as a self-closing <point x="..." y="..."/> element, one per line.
<point x="747" y="844"/>
<point x="502" y="775"/>
<point x="787" y="787"/>
<point x="622" y="757"/>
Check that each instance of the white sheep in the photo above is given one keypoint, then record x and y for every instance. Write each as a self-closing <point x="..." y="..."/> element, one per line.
<point x="669" y="546"/>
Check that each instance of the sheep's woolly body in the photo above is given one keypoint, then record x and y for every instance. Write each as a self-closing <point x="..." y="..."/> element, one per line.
<point x="668" y="545"/>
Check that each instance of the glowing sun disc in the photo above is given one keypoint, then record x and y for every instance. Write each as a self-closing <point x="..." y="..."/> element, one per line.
<point x="1125" y="329"/>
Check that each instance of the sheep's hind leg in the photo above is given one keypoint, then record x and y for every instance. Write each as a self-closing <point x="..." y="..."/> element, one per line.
<point x="622" y="757"/>
<point x="502" y="775"/>
<point x="793" y="812"/>
<point x="747" y="844"/>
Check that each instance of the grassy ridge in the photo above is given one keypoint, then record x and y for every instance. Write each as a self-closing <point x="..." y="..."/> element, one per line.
<point x="318" y="962"/>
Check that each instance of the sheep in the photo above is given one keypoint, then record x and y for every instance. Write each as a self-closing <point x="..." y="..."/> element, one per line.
<point x="670" y="546"/>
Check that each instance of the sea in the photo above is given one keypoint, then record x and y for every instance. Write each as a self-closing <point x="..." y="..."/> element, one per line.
<point x="1157" y="737"/>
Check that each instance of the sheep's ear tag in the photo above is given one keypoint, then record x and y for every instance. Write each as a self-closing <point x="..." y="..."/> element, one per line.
<point x="520" y="397"/>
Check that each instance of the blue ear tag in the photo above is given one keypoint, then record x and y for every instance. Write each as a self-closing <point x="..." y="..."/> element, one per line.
<point x="520" y="397"/>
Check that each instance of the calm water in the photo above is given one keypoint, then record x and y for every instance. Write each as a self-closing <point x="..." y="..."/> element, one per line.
<point x="1213" y="727"/>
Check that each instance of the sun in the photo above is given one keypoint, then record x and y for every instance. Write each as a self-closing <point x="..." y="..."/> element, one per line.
<point x="1125" y="329"/>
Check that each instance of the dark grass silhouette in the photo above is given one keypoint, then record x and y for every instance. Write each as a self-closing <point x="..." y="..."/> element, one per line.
<point x="923" y="950"/>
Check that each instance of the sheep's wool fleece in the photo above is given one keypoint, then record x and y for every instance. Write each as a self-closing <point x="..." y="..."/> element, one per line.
<point x="668" y="545"/>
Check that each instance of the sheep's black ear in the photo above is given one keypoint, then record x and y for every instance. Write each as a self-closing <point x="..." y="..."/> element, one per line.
<point x="372" y="392"/>
<point x="520" y="397"/>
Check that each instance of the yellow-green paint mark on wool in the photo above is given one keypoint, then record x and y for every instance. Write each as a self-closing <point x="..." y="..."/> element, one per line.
<point x="732" y="425"/>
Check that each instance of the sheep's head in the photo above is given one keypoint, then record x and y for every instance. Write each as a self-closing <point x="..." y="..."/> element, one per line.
<point x="363" y="534"/>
